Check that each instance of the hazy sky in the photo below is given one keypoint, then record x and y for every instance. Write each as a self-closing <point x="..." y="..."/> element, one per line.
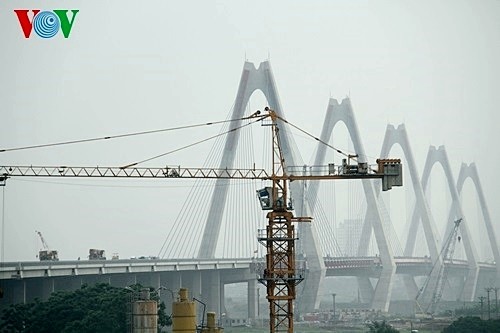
<point x="133" y="65"/>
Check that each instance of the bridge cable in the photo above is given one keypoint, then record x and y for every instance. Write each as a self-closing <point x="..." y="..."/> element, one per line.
<point x="183" y="226"/>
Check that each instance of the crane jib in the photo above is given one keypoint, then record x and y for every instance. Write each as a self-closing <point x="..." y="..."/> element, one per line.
<point x="167" y="172"/>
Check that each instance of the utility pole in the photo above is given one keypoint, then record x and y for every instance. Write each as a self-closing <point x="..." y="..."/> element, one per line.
<point x="258" y="302"/>
<point x="496" y="301"/>
<point x="489" y="308"/>
<point x="481" y="301"/>
<point x="333" y="295"/>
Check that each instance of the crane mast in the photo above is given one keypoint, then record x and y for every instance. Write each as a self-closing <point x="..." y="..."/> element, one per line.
<point x="280" y="275"/>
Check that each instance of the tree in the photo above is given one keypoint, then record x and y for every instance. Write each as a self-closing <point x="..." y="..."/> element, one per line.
<point x="473" y="325"/>
<point x="96" y="309"/>
<point x="381" y="327"/>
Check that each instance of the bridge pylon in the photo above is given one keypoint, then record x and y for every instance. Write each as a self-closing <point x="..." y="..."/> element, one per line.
<point x="252" y="79"/>
<point x="434" y="156"/>
<point x="469" y="171"/>
<point x="262" y="79"/>
<point x="343" y="112"/>
<point x="422" y="211"/>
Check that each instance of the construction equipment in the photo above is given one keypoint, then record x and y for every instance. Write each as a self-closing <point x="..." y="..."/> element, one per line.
<point x="442" y="276"/>
<point x="95" y="254"/>
<point x="279" y="276"/>
<point x="46" y="254"/>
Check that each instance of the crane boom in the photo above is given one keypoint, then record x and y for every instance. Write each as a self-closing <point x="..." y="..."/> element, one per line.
<point x="45" y="246"/>
<point x="447" y="254"/>
<point x="449" y="249"/>
<point x="176" y="172"/>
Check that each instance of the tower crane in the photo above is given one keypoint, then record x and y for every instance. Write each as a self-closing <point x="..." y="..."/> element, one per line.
<point x="280" y="276"/>
<point x="447" y="254"/>
<point x="46" y="253"/>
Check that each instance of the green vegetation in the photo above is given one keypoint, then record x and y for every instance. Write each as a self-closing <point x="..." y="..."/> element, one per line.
<point x="475" y="311"/>
<point x="96" y="309"/>
<point x="473" y="325"/>
<point x="381" y="327"/>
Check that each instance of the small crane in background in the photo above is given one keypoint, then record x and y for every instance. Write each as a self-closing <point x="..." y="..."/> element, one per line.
<point x="46" y="254"/>
<point x="447" y="253"/>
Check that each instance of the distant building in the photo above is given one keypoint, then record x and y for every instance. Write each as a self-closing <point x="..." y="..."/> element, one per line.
<point x="348" y="235"/>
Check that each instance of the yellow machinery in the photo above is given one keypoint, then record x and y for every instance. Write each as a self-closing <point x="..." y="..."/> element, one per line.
<point x="184" y="313"/>
<point x="184" y="316"/>
<point x="211" y="324"/>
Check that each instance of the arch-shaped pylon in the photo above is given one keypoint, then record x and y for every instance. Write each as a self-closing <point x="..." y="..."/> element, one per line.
<point x="343" y="113"/>
<point x="262" y="79"/>
<point x="252" y="79"/>
<point x="439" y="156"/>
<point x="470" y="172"/>
<point x="399" y="136"/>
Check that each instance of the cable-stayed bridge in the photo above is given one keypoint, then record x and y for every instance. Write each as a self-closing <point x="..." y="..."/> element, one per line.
<point x="213" y="239"/>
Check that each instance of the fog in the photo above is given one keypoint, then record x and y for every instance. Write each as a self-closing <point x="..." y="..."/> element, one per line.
<point x="132" y="66"/>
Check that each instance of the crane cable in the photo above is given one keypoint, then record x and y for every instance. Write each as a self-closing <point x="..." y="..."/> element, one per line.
<point x="255" y="115"/>
<point x="315" y="138"/>
<point x="119" y="135"/>
<point x="354" y="157"/>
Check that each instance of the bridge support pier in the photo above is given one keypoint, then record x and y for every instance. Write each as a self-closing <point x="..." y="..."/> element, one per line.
<point x="211" y="291"/>
<point x="173" y="281"/>
<point x="311" y="286"/>
<point x="19" y="292"/>
<point x="176" y="281"/>
<point x="48" y="287"/>
<point x="365" y="289"/>
<point x="470" y="284"/>
<point x="383" y="289"/>
<point x="155" y="281"/>
<point x="452" y="290"/>
<point x="192" y="281"/>
<point x="252" y="300"/>
<point x="411" y="286"/>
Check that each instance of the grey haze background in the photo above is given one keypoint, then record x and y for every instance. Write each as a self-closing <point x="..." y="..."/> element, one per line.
<point x="139" y="65"/>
